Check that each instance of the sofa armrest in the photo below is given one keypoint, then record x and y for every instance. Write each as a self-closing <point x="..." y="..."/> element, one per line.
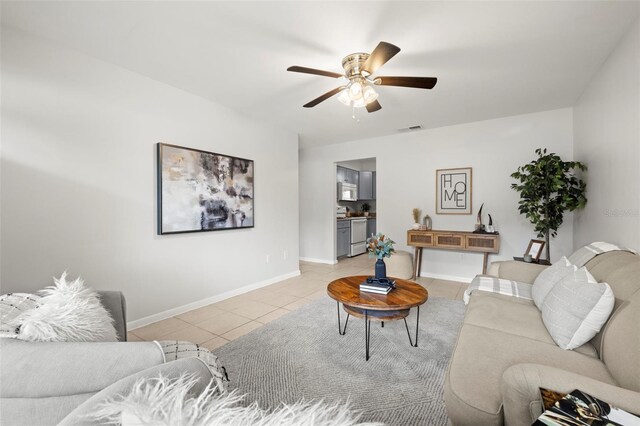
<point x="50" y="369"/>
<point x="516" y="271"/>
<point x="42" y="382"/>
<point x="172" y="370"/>
<point x="521" y="385"/>
<point x="115" y="303"/>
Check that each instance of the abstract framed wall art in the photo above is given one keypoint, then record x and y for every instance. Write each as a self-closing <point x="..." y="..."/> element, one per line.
<point x="203" y="191"/>
<point x="453" y="191"/>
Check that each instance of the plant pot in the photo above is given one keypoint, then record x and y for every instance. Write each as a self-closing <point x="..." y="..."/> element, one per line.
<point x="366" y="214"/>
<point x="381" y="269"/>
<point x="416" y="226"/>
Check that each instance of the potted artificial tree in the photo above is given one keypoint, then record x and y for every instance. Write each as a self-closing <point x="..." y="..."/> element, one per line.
<point x="548" y="187"/>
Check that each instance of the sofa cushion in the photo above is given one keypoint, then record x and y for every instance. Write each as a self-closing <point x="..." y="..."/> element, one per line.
<point x="549" y="278"/>
<point x="481" y="357"/>
<point x="576" y="309"/>
<point x="513" y="316"/>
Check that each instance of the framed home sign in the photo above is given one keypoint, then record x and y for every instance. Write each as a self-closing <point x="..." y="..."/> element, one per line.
<point x="202" y="191"/>
<point x="453" y="191"/>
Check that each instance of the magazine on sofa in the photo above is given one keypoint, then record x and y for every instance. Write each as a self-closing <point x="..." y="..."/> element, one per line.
<point x="580" y="409"/>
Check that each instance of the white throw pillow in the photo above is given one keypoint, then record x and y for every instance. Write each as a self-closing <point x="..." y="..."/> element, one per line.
<point x="549" y="278"/>
<point x="576" y="309"/>
<point x="67" y="312"/>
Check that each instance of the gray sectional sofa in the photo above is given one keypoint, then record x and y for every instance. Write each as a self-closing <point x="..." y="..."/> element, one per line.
<point x="504" y="353"/>
<point x="46" y="383"/>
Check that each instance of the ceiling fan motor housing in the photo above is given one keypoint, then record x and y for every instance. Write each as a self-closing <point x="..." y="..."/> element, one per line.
<point x="353" y="64"/>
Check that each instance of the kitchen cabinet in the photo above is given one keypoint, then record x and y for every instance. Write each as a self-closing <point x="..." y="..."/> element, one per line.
<point x="374" y="176"/>
<point x="347" y="175"/>
<point x="371" y="227"/>
<point x="365" y="188"/>
<point x="352" y="176"/>
<point x="344" y="238"/>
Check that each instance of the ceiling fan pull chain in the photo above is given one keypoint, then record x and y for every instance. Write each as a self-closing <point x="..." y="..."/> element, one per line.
<point x="354" y="114"/>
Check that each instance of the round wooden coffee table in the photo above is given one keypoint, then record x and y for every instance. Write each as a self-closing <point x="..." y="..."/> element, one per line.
<point x="377" y="307"/>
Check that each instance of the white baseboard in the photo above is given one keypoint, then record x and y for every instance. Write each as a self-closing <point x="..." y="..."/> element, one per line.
<point x="310" y="259"/>
<point x="132" y="325"/>
<point x="446" y="277"/>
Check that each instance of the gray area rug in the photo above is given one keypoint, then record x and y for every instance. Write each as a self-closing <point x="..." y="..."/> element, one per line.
<point x="301" y="355"/>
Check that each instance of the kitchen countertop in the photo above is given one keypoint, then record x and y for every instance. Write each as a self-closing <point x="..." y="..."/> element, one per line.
<point x="355" y="217"/>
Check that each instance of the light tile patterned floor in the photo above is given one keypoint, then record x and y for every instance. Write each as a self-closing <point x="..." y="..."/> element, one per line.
<point x="214" y="325"/>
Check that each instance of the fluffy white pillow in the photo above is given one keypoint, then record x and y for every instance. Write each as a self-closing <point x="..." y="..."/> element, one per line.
<point x="67" y="312"/>
<point x="576" y="309"/>
<point x="548" y="278"/>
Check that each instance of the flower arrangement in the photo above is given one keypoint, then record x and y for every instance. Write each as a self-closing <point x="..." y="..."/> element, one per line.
<point x="380" y="246"/>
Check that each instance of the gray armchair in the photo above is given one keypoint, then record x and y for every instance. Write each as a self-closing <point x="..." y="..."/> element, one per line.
<point x="43" y="382"/>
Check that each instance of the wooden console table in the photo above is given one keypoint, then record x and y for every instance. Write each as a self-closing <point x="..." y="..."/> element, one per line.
<point x="452" y="240"/>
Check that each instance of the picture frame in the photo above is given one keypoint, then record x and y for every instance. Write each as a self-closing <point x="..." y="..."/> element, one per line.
<point x="454" y="190"/>
<point x="199" y="191"/>
<point x="535" y="249"/>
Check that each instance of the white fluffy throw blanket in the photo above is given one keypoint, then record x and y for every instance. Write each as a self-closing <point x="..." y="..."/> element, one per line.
<point x="66" y="312"/>
<point x="164" y="402"/>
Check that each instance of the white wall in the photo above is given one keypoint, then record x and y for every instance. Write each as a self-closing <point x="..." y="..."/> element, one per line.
<point x="406" y="165"/>
<point x="79" y="191"/>
<point x="607" y="139"/>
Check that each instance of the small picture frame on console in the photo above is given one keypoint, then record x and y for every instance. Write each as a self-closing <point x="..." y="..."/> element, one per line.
<point x="534" y="250"/>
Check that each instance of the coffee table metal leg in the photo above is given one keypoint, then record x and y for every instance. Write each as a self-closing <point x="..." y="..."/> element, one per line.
<point x="340" y="330"/>
<point x="367" y="333"/>
<point x="382" y="324"/>
<point x="417" y="327"/>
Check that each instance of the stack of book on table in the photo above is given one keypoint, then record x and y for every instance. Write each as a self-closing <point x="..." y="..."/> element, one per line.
<point x="375" y="286"/>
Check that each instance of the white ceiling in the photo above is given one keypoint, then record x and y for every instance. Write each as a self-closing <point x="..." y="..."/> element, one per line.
<point x="492" y="59"/>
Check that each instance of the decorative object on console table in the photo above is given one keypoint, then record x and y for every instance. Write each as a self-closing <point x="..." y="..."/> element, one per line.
<point x="548" y="187"/>
<point x="452" y="240"/>
<point x="489" y="229"/>
<point x="479" y="229"/>
<point x="202" y="191"/>
<point x="453" y="191"/>
<point x="380" y="246"/>
<point x="416" y="218"/>
<point x="426" y="222"/>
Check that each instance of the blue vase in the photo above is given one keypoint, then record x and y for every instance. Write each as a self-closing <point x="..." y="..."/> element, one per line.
<point x="381" y="269"/>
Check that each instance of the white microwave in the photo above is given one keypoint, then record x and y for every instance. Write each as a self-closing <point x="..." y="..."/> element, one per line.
<point x="347" y="191"/>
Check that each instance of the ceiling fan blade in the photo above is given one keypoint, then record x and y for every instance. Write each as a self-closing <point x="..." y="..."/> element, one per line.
<point x="324" y="97"/>
<point x="416" y="82"/>
<point x="374" y="106"/>
<point x="380" y="55"/>
<point x="306" y="70"/>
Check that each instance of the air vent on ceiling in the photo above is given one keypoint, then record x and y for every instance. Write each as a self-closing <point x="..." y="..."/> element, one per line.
<point x="411" y="128"/>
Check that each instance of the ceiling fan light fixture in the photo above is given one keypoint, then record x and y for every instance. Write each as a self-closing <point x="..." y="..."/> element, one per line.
<point x="355" y="90"/>
<point x="369" y="94"/>
<point x="358" y="94"/>
<point x="344" y="97"/>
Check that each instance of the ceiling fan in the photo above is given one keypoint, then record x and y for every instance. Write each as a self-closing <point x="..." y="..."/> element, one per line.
<point x="358" y="69"/>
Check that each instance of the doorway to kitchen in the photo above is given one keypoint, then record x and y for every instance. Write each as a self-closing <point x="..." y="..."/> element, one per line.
<point x="356" y="218"/>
